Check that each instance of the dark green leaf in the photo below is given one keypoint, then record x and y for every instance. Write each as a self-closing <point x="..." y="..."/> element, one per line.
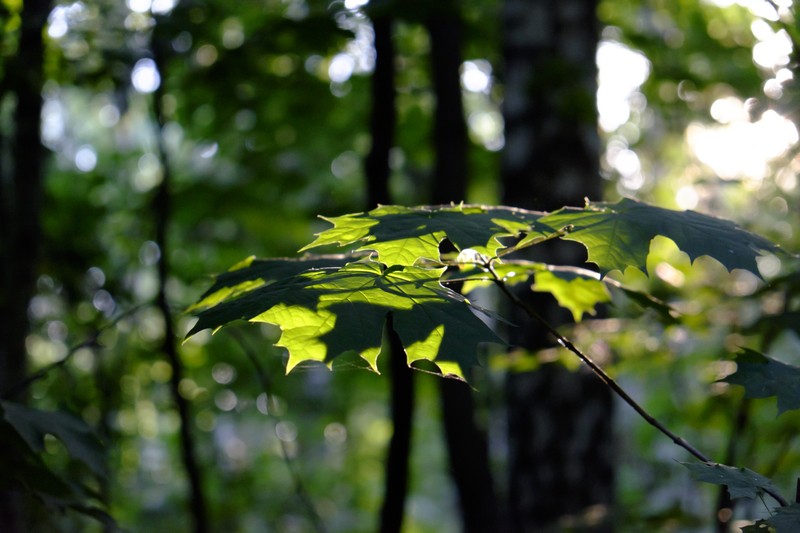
<point x="741" y="482"/>
<point x="783" y="520"/>
<point x="762" y="377"/>
<point x="618" y="235"/>
<point x="253" y="273"/>
<point x="324" y="313"/>
<point x="79" y="439"/>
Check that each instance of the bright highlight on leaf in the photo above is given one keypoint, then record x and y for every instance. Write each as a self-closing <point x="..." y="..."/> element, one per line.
<point x="405" y="235"/>
<point x="252" y="273"/>
<point x="578" y="294"/>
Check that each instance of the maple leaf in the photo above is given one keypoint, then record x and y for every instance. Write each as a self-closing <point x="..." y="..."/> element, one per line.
<point x="404" y="235"/>
<point x="741" y="482"/>
<point x="618" y="235"/>
<point x="325" y="312"/>
<point x="763" y="376"/>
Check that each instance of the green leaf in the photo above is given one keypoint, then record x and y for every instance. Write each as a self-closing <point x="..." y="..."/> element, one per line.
<point x="741" y="482"/>
<point x="667" y="314"/>
<point x="79" y="439"/>
<point x="618" y="235"/>
<point x="326" y="312"/>
<point x="252" y="273"/>
<point x="23" y="468"/>
<point x="783" y="519"/>
<point x="577" y="292"/>
<point x="577" y="289"/>
<point x="762" y="377"/>
<point x="404" y="235"/>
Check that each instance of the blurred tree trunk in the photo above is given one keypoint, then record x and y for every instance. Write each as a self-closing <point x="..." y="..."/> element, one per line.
<point x="20" y="197"/>
<point x="161" y="208"/>
<point x="466" y="442"/>
<point x="377" y="170"/>
<point x="559" y="422"/>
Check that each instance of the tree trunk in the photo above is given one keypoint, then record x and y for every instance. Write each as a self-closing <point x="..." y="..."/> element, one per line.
<point x="20" y="231"/>
<point x="21" y="194"/>
<point x="377" y="170"/>
<point x="162" y="214"/>
<point x="559" y="422"/>
<point x="466" y="442"/>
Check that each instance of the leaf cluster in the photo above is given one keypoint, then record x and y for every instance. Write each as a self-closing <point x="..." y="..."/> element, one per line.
<point x="23" y="430"/>
<point x="328" y="305"/>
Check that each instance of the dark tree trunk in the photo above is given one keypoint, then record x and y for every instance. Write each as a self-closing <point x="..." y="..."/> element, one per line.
<point x="466" y="443"/>
<point x="402" y="411"/>
<point x="383" y="117"/>
<point x="162" y="214"/>
<point x="20" y="232"/>
<point x="377" y="170"/>
<point x="449" y="126"/>
<point x="560" y="453"/>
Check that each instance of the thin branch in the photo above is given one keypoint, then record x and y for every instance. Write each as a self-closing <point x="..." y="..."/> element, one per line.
<point x="608" y="380"/>
<point x="266" y="386"/>
<point x="90" y="342"/>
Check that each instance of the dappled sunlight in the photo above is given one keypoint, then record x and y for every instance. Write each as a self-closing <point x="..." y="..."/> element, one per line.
<point x="485" y="124"/>
<point x="739" y="148"/>
<point x="621" y="72"/>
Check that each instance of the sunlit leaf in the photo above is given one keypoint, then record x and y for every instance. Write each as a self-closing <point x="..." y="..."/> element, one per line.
<point x="578" y="290"/>
<point x="618" y="235"/>
<point x="741" y="482"/>
<point x="252" y="273"/>
<point x="404" y="235"/>
<point x="762" y="377"/>
<point x="578" y="293"/>
<point x="326" y="312"/>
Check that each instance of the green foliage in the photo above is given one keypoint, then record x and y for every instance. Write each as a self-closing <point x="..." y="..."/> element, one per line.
<point x="405" y="235"/>
<point x="741" y="482"/>
<point x="763" y="377"/>
<point x="618" y="235"/>
<point x="33" y="424"/>
<point x="782" y="520"/>
<point x="325" y="308"/>
<point x="24" y="429"/>
<point x="328" y="305"/>
<point x="259" y="139"/>
<point x="325" y="312"/>
<point x="574" y="291"/>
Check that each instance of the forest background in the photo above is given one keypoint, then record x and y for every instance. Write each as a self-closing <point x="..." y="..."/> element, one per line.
<point x="146" y="145"/>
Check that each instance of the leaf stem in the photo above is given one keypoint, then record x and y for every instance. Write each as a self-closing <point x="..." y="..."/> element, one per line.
<point x="608" y="380"/>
